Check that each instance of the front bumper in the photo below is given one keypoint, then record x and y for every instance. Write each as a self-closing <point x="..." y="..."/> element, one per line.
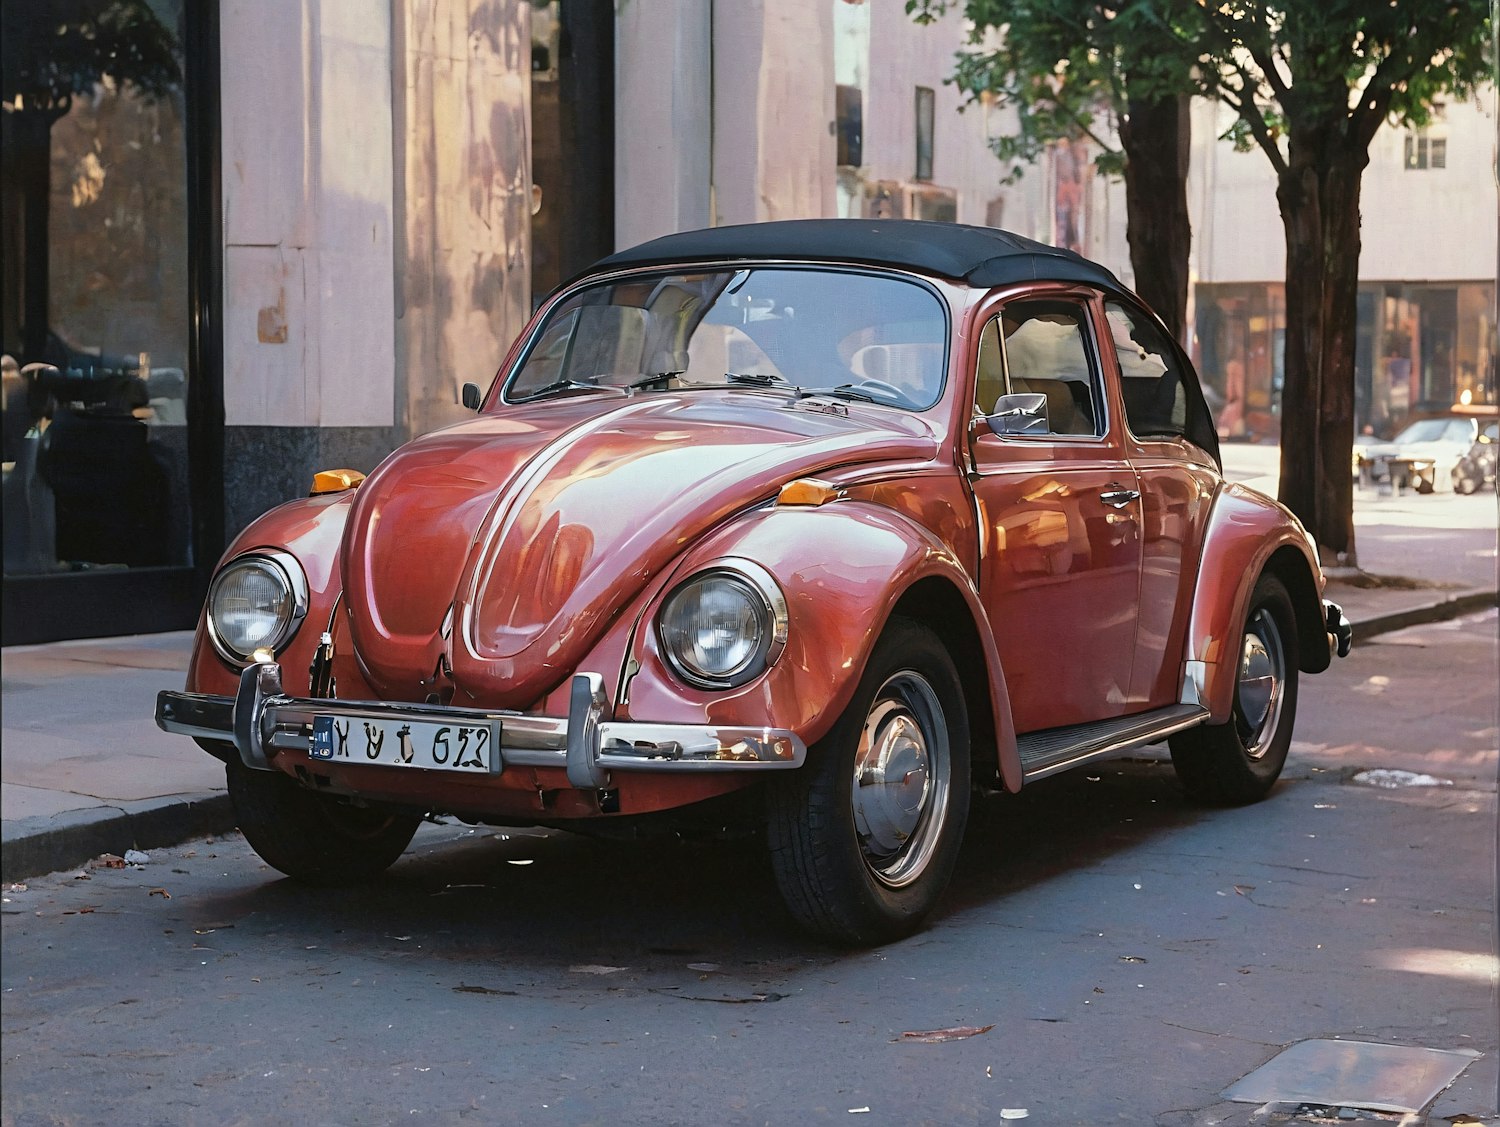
<point x="260" y="721"/>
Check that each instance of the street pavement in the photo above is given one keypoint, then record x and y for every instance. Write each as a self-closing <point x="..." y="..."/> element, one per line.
<point x="85" y="770"/>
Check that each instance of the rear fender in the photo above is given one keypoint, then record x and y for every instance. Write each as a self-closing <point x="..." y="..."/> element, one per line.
<point x="1248" y="535"/>
<point x="844" y="568"/>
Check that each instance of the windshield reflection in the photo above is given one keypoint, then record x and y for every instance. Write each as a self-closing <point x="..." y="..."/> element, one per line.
<point x="868" y="337"/>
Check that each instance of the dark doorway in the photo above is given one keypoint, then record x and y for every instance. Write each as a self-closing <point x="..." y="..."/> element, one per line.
<point x="572" y="138"/>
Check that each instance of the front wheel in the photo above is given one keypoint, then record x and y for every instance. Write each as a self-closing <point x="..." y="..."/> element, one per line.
<point x="311" y="837"/>
<point x="864" y="838"/>
<point x="1238" y="762"/>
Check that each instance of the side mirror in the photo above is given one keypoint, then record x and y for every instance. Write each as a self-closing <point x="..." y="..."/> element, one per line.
<point x="1021" y="413"/>
<point x="472" y="396"/>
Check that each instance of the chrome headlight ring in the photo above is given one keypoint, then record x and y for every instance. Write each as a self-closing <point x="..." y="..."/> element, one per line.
<point x="267" y="590"/>
<point x="723" y="626"/>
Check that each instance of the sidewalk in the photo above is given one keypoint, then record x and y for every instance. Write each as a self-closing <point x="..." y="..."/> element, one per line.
<point x="86" y="771"/>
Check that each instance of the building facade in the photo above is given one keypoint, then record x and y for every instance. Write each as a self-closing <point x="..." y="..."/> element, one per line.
<point x="1426" y="331"/>
<point x="285" y="236"/>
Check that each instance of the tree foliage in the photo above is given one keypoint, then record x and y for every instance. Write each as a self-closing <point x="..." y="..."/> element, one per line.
<point x="1102" y="70"/>
<point x="1070" y="68"/>
<point x="51" y="53"/>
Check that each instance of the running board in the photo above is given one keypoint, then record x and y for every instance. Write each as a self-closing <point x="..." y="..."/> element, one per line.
<point x="1056" y="749"/>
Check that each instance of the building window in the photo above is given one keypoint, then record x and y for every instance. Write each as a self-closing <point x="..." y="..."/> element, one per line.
<point x="925" y="110"/>
<point x="1427" y="147"/>
<point x="849" y="103"/>
<point x="1425" y="151"/>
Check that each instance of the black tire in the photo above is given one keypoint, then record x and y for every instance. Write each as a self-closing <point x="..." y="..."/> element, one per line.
<point x="315" y="838"/>
<point x="1464" y="482"/>
<point x="861" y="866"/>
<point x="1238" y="762"/>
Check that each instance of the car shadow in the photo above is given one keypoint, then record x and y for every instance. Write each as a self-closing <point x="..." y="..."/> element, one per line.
<point x="486" y="897"/>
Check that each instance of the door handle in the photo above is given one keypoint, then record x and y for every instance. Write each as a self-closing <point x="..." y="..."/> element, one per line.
<point x="1118" y="498"/>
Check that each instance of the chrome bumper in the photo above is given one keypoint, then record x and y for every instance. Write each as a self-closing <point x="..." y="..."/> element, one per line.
<point x="1340" y="629"/>
<point x="260" y="720"/>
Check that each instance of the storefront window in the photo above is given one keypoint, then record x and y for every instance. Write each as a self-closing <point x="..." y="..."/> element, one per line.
<point x="1420" y="349"/>
<point x="1241" y="330"/>
<point x="93" y="297"/>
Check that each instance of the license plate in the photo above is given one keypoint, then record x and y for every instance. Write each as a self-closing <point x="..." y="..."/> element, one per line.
<point x="429" y="745"/>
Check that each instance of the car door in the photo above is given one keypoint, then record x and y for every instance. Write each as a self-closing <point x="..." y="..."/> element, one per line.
<point x="1059" y="514"/>
<point x="1176" y="479"/>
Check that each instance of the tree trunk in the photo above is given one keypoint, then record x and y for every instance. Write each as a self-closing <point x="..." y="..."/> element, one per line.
<point x="1319" y="198"/>
<point x="1156" y="136"/>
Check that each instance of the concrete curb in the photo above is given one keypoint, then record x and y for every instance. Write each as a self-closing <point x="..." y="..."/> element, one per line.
<point x="33" y="846"/>
<point x="49" y="843"/>
<point x="1470" y="602"/>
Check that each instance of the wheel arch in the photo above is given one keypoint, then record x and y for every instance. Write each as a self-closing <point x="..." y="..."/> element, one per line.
<point x="938" y="604"/>
<point x="1296" y="575"/>
<point x="1248" y="535"/>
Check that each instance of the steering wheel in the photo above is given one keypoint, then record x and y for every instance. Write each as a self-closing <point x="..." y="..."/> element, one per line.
<point x="889" y="390"/>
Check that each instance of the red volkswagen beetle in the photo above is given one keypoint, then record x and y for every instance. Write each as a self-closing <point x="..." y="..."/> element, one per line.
<point x="839" y="518"/>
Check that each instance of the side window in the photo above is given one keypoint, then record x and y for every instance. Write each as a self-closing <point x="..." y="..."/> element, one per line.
<point x="989" y="381"/>
<point x="1045" y="350"/>
<point x="1155" y="400"/>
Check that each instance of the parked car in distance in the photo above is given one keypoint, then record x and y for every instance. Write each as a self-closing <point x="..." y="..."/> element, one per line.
<point x="809" y="527"/>
<point x="1476" y="469"/>
<point x="1423" y="454"/>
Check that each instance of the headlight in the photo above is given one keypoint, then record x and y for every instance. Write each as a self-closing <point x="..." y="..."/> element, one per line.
<point x="723" y="626"/>
<point x="256" y="602"/>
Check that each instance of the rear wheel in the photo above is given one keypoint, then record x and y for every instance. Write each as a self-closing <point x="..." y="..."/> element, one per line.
<point x="1465" y="480"/>
<point x="1239" y="761"/>
<point x="311" y="837"/>
<point x="864" y="838"/>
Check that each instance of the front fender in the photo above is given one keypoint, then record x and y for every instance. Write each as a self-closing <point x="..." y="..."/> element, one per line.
<point x="1247" y="535"/>
<point x="844" y="569"/>
<point x="311" y="529"/>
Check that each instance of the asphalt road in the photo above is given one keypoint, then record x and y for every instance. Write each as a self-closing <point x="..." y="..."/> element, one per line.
<point x="1127" y="956"/>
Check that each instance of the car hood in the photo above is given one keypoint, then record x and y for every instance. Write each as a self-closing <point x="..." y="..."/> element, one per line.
<point x="538" y="527"/>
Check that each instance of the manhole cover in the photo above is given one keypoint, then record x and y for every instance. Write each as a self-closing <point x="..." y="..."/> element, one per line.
<point x="1356" y="1074"/>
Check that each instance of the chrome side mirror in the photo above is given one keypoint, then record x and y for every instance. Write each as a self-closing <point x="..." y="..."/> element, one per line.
<point x="1021" y="413"/>
<point x="472" y="396"/>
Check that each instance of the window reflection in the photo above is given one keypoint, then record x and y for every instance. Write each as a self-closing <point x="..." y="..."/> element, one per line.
<point x="93" y="305"/>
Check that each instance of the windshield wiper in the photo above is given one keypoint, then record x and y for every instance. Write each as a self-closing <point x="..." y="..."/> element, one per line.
<point x="566" y="384"/>
<point x="842" y="391"/>
<point x="759" y="379"/>
<point x="654" y="377"/>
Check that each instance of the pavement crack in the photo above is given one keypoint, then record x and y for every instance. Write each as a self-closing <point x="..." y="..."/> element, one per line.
<point x="1222" y="1036"/>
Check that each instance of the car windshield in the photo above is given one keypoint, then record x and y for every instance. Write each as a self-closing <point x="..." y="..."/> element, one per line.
<point x="859" y="336"/>
<point x="1437" y="430"/>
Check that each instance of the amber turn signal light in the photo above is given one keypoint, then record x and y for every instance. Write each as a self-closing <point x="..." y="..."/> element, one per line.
<point x="335" y="481"/>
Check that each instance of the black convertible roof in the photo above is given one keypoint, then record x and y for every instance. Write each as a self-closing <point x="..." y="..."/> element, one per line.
<point x="981" y="256"/>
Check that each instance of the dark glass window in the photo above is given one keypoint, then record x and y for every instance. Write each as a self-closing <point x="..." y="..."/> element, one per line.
<point x="93" y="297"/>
<point x="925" y="115"/>
<point x="849" y="108"/>
<point x="1156" y="402"/>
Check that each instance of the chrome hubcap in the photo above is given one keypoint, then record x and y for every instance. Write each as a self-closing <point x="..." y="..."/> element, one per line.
<point x="901" y="779"/>
<point x="1259" y="691"/>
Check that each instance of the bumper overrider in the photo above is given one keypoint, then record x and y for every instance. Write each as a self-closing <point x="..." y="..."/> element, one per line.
<point x="1340" y="629"/>
<point x="261" y="721"/>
